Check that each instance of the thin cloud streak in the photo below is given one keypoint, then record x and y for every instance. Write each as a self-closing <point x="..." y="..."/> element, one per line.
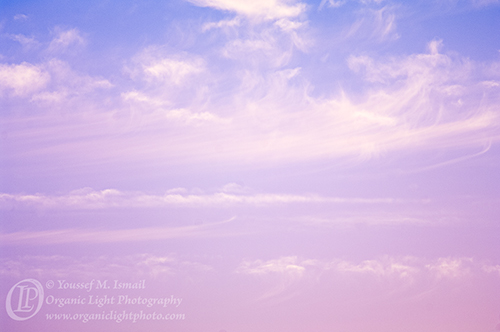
<point x="271" y="9"/>
<point x="62" y="266"/>
<point x="111" y="198"/>
<point x="65" y="236"/>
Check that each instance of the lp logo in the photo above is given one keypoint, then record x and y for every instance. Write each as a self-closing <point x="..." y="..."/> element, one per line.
<point x="24" y="299"/>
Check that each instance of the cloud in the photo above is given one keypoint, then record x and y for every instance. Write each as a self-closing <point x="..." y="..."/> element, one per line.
<point x="89" y="267"/>
<point x="171" y="69"/>
<point x="407" y="277"/>
<point x="112" y="198"/>
<point x="20" y="17"/>
<point x="266" y="9"/>
<point x="168" y="87"/>
<point x="283" y="272"/>
<point x="261" y="42"/>
<point x="451" y="267"/>
<point x="188" y="117"/>
<point x="420" y="102"/>
<point x="374" y="25"/>
<point x="163" y="109"/>
<point x="235" y="188"/>
<point x="26" y="42"/>
<point x="284" y="265"/>
<point x="380" y="268"/>
<point x="67" y="86"/>
<point x="257" y="51"/>
<point x="223" y="24"/>
<point x="340" y="3"/>
<point x="66" y="39"/>
<point x="250" y="100"/>
<point x="23" y="79"/>
<point x="492" y="269"/>
<point x="49" y="83"/>
<point x="385" y="19"/>
<point x="267" y="44"/>
<point x="62" y="236"/>
<point x="406" y="268"/>
<point x="332" y="3"/>
<point x="431" y="90"/>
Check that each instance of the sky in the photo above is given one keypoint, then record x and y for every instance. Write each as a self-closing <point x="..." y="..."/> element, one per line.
<point x="242" y="166"/>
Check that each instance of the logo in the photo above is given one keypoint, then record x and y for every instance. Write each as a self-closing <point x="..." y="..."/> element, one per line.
<point x="25" y="299"/>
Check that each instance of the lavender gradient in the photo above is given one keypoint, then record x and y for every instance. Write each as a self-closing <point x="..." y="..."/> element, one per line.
<point x="279" y="165"/>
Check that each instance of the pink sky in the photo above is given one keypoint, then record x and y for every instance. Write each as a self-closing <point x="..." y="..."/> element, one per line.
<point x="272" y="165"/>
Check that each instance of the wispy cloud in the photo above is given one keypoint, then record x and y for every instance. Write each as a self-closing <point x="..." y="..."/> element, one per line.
<point x="65" y="39"/>
<point x="374" y="24"/>
<point x="450" y="267"/>
<point x="332" y="3"/>
<point x="23" y="79"/>
<point x="408" y="276"/>
<point x="26" y="42"/>
<point x="232" y="23"/>
<point x="168" y="69"/>
<point x="259" y="9"/>
<point x="111" y="198"/>
<point x="286" y="270"/>
<point x="283" y="272"/>
<point x="63" y="236"/>
<point x="21" y="17"/>
<point x="140" y="265"/>
<point x="262" y="110"/>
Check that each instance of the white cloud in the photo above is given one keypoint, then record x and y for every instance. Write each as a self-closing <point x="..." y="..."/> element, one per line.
<point x="405" y="268"/>
<point x="26" y="42"/>
<point x="269" y="43"/>
<point x="188" y="117"/>
<point x="235" y="22"/>
<point x="147" y="266"/>
<point x="137" y="96"/>
<point x="427" y="95"/>
<point x="21" y="17"/>
<point x="429" y="101"/>
<point x="332" y="3"/>
<point x="157" y="66"/>
<point x="231" y="194"/>
<point x="287" y="25"/>
<point x="374" y="25"/>
<point x="405" y="277"/>
<point x="163" y="110"/>
<point x="237" y="48"/>
<point x="492" y="269"/>
<point x="284" y="265"/>
<point x="435" y="46"/>
<point x="385" y="24"/>
<point x="66" y="39"/>
<point x="235" y="188"/>
<point x="67" y="86"/>
<point x="267" y="9"/>
<point x="173" y="70"/>
<point x="451" y="267"/>
<point x="340" y="3"/>
<point x="112" y="236"/>
<point x="22" y="79"/>
<point x="284" y="273"/>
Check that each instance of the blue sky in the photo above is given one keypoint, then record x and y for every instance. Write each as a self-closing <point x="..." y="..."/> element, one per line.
<point x="340" y="154"/>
